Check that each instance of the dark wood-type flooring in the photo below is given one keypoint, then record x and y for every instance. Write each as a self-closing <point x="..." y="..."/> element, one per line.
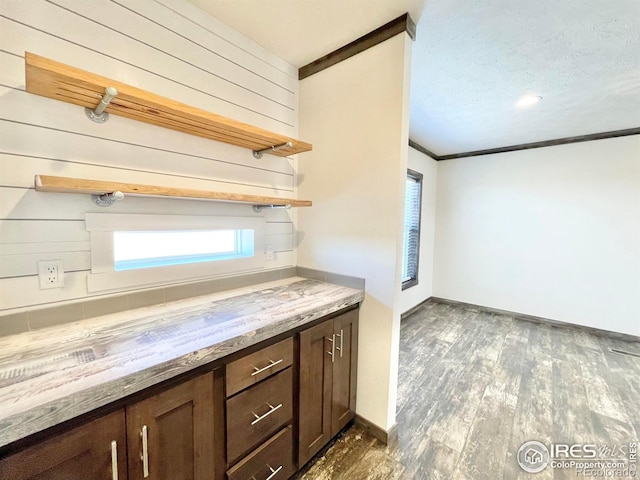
<point x="474" y="386"/>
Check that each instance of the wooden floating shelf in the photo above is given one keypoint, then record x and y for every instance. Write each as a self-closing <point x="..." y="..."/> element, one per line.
<point x="69" y="84"/>
<point x="47" y="183"/>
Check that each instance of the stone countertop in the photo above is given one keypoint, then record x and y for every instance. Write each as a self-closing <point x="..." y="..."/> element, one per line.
<point x="54" y="374"/>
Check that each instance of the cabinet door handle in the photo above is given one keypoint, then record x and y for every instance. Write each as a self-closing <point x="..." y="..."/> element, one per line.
<point x="273" y="472"/>
<point x="114" y="460"/>
<point x="145" y="452"/>
<point x="333" y="347"/>
<point x="341" y="335"/>
<point x="261" y="417"/>
<point x="271" y="364"/>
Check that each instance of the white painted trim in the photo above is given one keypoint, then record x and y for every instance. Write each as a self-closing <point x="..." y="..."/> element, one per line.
<point x="103" y="277"/>
<point x="126" y="280"/>
<point x="108" y="222"/>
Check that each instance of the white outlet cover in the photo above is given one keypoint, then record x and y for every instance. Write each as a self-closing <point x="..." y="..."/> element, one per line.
<point x="49" y="279"/>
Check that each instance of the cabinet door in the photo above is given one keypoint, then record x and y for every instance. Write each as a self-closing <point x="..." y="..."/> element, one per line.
<point x="343" y="405"/>
<point x="87" y="452"/>
<point x="316" y="346"/>
<point x="171" y="435"/>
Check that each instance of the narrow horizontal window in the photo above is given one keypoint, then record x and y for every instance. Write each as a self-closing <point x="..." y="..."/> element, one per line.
<point x="133" y="250"/>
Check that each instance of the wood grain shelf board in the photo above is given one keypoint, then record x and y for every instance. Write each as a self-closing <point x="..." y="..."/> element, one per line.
<point x="48" y="183"/>
<point x="62" y="82"/>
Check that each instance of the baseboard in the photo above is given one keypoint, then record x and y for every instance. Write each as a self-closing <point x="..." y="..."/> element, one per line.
<point x="386" y="437"/>
<point x="540" y="320"/>
<point x="415" y="308"/>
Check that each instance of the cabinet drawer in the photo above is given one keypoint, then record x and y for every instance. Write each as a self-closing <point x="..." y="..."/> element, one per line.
<point x="272" y="460"/>
<point x="257" y="413"/>
<point x="253" y="368"/>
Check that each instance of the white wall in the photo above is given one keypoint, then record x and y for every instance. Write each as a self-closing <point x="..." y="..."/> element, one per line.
<point x="428" y="167"/>
<point x="356" y="115"/>
<point x="167" y="47"/>
<point x="552" y="232"/>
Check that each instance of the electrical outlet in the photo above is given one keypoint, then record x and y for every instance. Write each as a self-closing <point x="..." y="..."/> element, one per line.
<point x="270" y="254"/>
<point x="50" y="274"/>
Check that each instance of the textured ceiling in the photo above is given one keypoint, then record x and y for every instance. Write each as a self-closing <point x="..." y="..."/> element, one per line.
<point x="473" y="58"/>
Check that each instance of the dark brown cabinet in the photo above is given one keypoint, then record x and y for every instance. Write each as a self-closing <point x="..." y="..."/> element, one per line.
<point x="260" y="404"/>
<point x="273" y="460"/>
<point x="96" y="451"/>
<point x="245" y="421"/>
<point x="343" y="398"/>
<point x="257" y="413"/>
<point x="328" y="366"/>
<point x="171" y="435"/>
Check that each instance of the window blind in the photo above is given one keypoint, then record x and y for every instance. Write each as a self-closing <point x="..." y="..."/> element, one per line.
<point x="413" y="201"/>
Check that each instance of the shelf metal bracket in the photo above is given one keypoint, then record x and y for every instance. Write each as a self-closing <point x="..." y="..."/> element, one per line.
<point x="258" y="153"/>
<point x="99" y="115"/>
<point x="259" y="208"/>
<point x="107" y="199"/>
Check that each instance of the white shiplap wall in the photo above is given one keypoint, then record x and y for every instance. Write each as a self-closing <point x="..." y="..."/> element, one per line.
<point x="167" y="47"/>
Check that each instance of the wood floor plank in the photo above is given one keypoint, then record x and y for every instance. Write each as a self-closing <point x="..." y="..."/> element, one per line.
<point x="450" y="422"/>
<point x="533" y="418"/>
<point x="508" y="370"/>
<point x="483" y="457"/>
<point x="420" y="411"/>
<point x="631" y="398"/>
<point x="571" y="413"/>
<point x="414" y="369"/>
<point x="474" y="386"/>
<point x="348" y="450"/>
<point x="627" y="370"/>
<point x="586" y="340"/>
<point x="562" y="343"/>
<point x="496" y="329"/>
<point x="434" y="461"/>
<point x="376" y="465"/>
<point x="601" y="386"/>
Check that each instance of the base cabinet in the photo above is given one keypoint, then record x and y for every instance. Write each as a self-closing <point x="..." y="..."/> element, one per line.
<point x="261" y="417"/>
<point x="343" y="393"/>
<point x="168" y="436"/>
<point x="328" y="366"/>
<point x="171" y="435"/>
<point x="273" y="460"/>
<point x="96" y="451"/>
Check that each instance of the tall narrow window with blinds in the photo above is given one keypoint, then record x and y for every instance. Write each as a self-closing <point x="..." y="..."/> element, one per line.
<point x="411" y="256"/>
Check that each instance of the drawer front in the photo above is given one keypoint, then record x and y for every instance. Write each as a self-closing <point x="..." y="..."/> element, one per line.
<point x="257" y="413"/>
<point x="273" y="460"/>
<point x="253" y="368"/>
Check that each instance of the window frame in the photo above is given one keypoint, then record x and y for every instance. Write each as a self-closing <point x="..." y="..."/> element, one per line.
<point x="242" y="240"/>
<point x="103" y="276"/>
<point x="413" y="280"/>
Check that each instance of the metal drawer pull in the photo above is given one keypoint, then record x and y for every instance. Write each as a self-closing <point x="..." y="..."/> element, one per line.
<point x="333" y="347"/>
<point x="145" y="453"/>
<point x="341" y="335"/>
<point x="114" y="460"/>
<point x="273" y="472"/>
<point x="271" y="364"/>
<point x="260" y="417"/>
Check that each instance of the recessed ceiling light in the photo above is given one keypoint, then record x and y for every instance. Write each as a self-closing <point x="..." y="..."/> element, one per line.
<point x="528" y="100"/>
